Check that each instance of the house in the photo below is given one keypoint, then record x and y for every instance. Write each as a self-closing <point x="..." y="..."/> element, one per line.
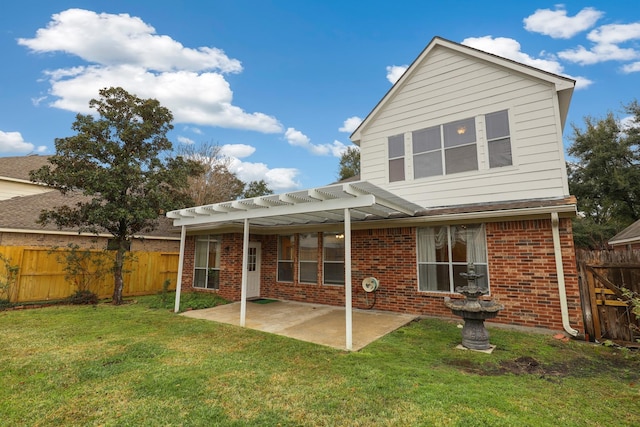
<point x="629" y="238"/>
<point x="462" y="162"/>
<point x="14" y="176"/>
<point x="22" y="200"/>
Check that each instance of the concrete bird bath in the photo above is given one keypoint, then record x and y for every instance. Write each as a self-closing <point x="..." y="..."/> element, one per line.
<point x="474" y="311"/>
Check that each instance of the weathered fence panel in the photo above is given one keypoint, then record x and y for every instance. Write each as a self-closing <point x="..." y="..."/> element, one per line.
<point x="41" y="275"/>
<point x="607" y="311"/>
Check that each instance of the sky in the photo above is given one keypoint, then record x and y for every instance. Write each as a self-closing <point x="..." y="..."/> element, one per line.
<point x="279" y="85"/>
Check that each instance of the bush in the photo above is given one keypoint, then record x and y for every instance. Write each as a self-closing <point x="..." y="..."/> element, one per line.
<point x="188" y="300"/>
<point x="83" y="297"/>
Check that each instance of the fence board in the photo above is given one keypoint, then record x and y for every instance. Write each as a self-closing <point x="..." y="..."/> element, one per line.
<point x="603" y="276"/>
<point x="41" y="276"/>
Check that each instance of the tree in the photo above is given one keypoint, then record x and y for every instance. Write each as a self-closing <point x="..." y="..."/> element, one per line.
<point x="256" y="189"/>
<point x="349" y="163"/>
<point x="606" y="177"/>
<point x="120" y="162"/>
<point x="217" y="183"/>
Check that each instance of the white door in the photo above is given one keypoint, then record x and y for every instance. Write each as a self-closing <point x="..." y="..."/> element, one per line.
<point x="253" y="270"/>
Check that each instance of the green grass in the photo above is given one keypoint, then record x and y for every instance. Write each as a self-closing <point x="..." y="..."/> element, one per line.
<point x="134" y="365"/>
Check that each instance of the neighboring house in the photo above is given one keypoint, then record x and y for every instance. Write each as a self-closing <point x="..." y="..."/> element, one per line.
<point x="14" y="176"/>
<point x="19" y="213"/>
<point x="629" y="238"/>
<point x="462" y="162"/>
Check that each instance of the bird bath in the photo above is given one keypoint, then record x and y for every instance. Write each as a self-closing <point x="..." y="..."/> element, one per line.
<point x="474" y="311"/>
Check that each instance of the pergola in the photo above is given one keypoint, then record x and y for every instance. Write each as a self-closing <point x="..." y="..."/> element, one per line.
<point x="338" y="203"/>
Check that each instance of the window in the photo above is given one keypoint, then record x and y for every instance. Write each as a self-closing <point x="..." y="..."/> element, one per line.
<point x="498" y="139"/>
<point x="285" y="258"/>
<point x="396" y="157"/>
<point x="308" y="258"/>
<point x="446" y="149"/>
<point x="207" y="262"/>
<point x="445" y="252"/>
<point x="333" y="247"/>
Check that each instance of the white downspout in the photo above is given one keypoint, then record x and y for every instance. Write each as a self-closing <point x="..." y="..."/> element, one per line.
<point x="347" y="280"/>
<point x="245" y="263"/>
<point x="183" y="235"/>
<point x="562" y="291"/>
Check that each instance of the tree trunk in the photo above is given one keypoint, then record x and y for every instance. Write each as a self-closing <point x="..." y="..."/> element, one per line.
<point x="117" y="273"/>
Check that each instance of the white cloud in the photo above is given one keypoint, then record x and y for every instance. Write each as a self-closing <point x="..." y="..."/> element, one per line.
<point x="111" y="39"/>
<point x="557" y="24"/>
<point x="605" y="48"/>
<point x="278" y="179"/>
<point x="631" y="68"/>
<point x="192" y="129"/>
<point x="296" y="138"/>
<point x="185" y="140"/>
<point x="12" y="142"/>
<point x="237" y="150"/>
<point x="350" y="124"/>
<point x="394" y="72"/>
<point x="124" y="51"/>
<point x="627" y="122"/>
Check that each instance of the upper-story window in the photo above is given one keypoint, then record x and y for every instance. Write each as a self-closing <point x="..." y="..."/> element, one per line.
<point x="445" y="149"/>
<point x="498" y="139"/>
<point x="452" y="147"/>
<point x="395" y="146"/>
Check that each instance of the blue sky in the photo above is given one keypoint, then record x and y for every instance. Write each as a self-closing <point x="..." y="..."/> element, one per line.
<point x="280" y="84"/>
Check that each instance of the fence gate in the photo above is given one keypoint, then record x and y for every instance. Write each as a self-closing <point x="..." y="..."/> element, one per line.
<point x="607" y="311"/>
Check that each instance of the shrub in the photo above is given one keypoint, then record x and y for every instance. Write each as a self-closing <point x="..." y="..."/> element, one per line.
<point x="83" y="297"/>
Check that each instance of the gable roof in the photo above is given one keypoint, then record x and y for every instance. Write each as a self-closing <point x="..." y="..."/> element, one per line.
<point x="18" y="167"/>
<point x="20" y="214"/>
<point x="563" y="85"/>
<point x="629" y="235"/>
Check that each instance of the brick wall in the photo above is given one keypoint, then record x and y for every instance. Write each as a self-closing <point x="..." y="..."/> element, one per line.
<point x="522" y="273"/>
<point x="89" y="242"/>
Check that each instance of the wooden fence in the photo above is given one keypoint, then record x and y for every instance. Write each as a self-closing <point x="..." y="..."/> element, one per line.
<point x="41" y="275"/>
<point x="607" y="311"/>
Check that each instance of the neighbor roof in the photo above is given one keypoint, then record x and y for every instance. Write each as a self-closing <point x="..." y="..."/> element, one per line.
<point x="629" y="235"/>
<point x="18" y="167"/>
<point x="564" y="85"/>
<point x="22" y="213"/>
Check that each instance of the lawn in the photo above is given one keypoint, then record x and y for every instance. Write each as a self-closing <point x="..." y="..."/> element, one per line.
<point x="135" y="365"/>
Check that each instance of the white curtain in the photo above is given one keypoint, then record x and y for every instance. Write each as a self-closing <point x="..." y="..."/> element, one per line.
<point x="430" y="240"/>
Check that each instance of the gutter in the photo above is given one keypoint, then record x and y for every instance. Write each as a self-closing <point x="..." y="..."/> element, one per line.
<point x="562" y="291"/>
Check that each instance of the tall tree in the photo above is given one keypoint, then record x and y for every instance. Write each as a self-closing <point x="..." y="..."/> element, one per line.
<point x="256" y="189"/>
<point x="349" y="163"/>
<point x="120" y="161"/>
<point x="217" y="183"/>
<point x="605" y="178"/>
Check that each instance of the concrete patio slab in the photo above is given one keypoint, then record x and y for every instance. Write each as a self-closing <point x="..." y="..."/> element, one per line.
<point x="320" y="324"/>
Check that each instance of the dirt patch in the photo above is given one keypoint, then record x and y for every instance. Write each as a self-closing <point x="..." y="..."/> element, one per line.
<point x="524" y="365"/>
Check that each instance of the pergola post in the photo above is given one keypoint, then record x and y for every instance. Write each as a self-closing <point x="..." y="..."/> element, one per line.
<point x="347" y="280"/>
<point x="245" y="263"/>
<point x="183" y="235"/>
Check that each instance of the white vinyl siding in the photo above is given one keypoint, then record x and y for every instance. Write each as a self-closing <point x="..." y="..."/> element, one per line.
<point x="448" y="87"/>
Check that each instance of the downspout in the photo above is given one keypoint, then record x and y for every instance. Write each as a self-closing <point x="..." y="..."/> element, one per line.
<point x="562" y="291"/>
<point x="183" y="235"/>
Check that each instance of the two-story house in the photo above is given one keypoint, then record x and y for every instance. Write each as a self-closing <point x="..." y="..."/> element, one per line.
<point x="462" y="162"/>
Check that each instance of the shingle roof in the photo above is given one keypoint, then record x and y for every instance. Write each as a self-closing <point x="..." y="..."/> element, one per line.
<point x="21" y="213"/>
<point x="631" y="234"/>
<point x="20" y="166"/>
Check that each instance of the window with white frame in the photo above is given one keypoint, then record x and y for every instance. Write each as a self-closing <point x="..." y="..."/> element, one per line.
<point x="308" y="258"/>
<point x="207" y="262"/>
<point x="446" y="149"/>
<point x="498" y="139"/>
<point x="333" y="259"/>
<point x="446" y="251"/>
<point x="395" y="145"/>
<point x="285" y="258"/>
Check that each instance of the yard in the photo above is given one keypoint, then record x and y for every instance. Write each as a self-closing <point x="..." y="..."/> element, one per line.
<point x="137" y="365"/>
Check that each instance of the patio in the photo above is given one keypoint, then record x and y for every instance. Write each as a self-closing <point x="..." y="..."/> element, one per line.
<point x="320" y="324"/>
